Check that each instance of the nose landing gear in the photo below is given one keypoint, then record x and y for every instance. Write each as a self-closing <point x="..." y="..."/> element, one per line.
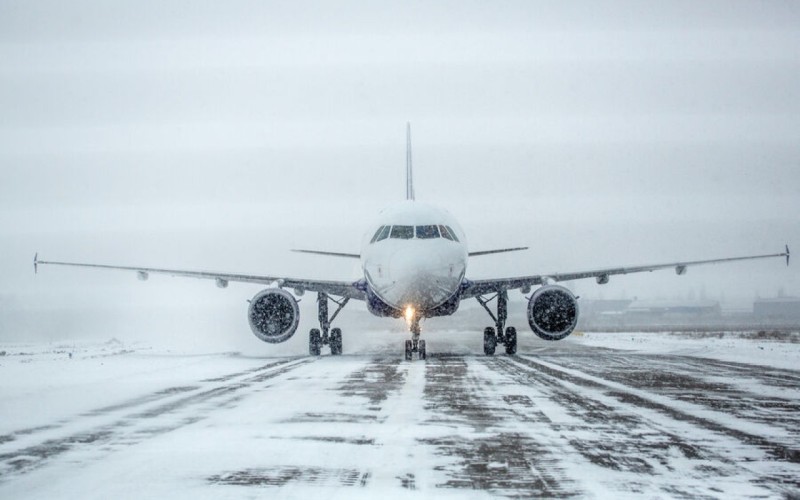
<point x="415" y="344"/>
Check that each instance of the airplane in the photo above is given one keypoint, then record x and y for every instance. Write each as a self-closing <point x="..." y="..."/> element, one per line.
<point x="414" y="264"/>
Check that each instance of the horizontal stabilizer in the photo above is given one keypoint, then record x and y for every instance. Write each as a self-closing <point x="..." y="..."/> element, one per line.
<point x="331" y="254"/>
<point x="499" y="250"/>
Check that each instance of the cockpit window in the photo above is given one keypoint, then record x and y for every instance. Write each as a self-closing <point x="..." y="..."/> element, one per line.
<point x="402" y="232"/>
<point x="448" y="233"/>
<point x="384" y="233"/>
<point x="452" y="233"/>
<point x="427" y="232"/>
<point x="377" y="233"/>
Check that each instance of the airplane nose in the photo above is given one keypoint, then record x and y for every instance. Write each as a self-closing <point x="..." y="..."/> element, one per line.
<point x="416" y="265"/>
<point x="423" y="278"/>
<point x="407" y="265"/>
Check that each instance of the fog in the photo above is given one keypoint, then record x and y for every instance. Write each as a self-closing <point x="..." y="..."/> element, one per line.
<point x="220" y="135"/>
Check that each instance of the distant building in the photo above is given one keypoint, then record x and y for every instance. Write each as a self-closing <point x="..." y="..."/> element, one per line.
<point x="784" y="308"/>
<point x="604" y="307"/>
<point x="658" y="308"/>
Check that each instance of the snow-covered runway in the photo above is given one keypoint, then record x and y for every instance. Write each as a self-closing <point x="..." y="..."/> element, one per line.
<point x="559" y="420"/>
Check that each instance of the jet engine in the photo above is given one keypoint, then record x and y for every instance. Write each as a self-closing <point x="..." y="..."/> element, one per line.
<point x="552" y="312"/>
<point x="273" y="315"/>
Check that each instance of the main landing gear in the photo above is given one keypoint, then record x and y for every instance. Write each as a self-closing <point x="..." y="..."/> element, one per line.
<point x="492" y="337"/>
<point x="327" y="335"/>
<point x="415" y="344"/>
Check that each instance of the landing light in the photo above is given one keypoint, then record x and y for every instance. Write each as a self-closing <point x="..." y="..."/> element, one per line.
<point x="409" y="313"/>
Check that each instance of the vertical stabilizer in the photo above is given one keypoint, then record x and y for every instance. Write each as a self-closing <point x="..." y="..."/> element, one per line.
<point x="409" y="176"/>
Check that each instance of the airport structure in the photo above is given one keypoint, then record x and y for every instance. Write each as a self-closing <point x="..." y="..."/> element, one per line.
<point x="779" y="312"/>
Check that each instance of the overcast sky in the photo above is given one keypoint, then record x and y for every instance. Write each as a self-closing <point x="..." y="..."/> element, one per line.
<point x="218" y="135"/>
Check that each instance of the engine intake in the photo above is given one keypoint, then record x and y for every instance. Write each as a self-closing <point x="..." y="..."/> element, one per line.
<point x="552" y="312"/>
<point x="273" y="315"/>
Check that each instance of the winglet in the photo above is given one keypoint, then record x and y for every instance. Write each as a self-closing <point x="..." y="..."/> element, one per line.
<point x="36" y="263"/>
<point x="787" y="254"/>
<point x="409" y="177"/>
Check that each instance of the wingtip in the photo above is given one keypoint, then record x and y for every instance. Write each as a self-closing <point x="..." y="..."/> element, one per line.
<point x="787" y="254"/>
<point x="36" y="263"/>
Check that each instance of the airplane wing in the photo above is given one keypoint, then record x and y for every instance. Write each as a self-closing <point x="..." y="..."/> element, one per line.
<point x="474" y="288"/>
<point x="329" y="254"/>
<point x="357" y="256"/>
<point x="499" y="250"/>
<point x="339" y="288"/>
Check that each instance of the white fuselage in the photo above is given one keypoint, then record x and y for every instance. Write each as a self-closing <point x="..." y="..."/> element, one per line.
<point x="414" y="256"/>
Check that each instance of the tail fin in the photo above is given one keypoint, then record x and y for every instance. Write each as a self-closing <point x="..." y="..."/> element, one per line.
<point x="409" y="177"/>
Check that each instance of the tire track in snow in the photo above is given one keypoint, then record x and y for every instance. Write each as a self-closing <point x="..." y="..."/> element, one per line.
<point x="133" y="427"/>
<point x="487" y="449"/>
<point x="129" y="404"/>
<point x="724" y="423"/>
<point x="628" y="430"/>
<point x="756" y="394"/>
<point x="372" y="410"/>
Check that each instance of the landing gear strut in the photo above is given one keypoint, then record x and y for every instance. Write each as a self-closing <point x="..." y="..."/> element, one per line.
<point x="415" y="344"/>
<point x="492" y="337"/>
<point x="327" y="335"/>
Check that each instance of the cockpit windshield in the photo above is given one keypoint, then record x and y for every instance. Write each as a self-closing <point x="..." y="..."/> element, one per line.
<point x="402" y="232"/>
<point x="426" y="232"/>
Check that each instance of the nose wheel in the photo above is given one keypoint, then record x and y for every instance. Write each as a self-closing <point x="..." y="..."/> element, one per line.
<point x="418" y="347"/>
<point x="415" y="345"/>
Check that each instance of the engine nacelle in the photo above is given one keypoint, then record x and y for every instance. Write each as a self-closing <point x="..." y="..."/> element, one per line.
<point x="273" y="315"/>
<point x="552" y="312"/>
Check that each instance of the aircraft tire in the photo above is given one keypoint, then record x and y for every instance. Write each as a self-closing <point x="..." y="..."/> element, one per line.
<point x="409" y="350"/>
<point x="422" y="353"/>
<point x="511" y="340"/>
<point x="336" y="341"/>
<point x="489" y="341"/>
<point x="314" y="342"/>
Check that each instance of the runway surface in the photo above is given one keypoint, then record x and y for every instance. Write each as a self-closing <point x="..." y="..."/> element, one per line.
<point x="559" y="420"/>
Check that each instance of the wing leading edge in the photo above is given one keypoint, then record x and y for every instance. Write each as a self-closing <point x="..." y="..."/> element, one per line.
<point x="499" y="250"/>
<point x="472" y="288"/>
<point x="481" y="287"/>
<point x="339" y="288"/>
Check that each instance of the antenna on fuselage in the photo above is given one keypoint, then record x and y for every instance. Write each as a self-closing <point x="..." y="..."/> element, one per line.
<point x="409" y="176"/>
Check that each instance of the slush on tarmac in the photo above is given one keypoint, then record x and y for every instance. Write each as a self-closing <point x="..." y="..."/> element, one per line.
<point x="604" y="415"/>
